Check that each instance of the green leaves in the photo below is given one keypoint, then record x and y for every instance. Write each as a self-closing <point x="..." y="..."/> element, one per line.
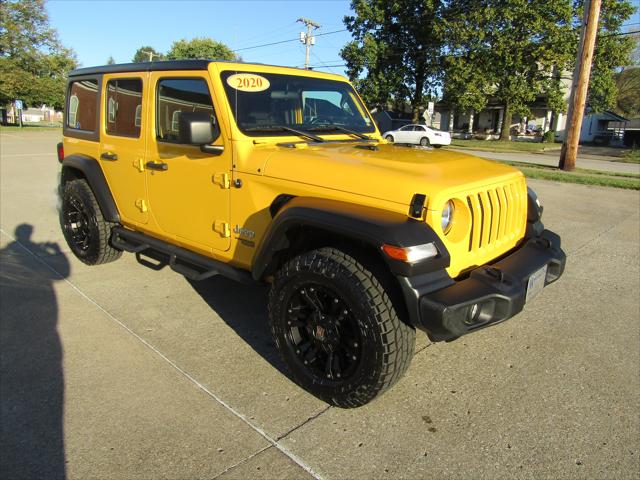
<point x="200" y="48"/>
<point x="33" y="65"/>
<point x="396" y="50"/>
<point x="471" y="51"/>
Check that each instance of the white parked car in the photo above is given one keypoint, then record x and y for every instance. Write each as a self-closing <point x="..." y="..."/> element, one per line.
<point x="419" y="135"/>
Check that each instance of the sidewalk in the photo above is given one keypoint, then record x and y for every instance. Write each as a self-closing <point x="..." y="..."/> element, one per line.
<point x="593" y="162"/>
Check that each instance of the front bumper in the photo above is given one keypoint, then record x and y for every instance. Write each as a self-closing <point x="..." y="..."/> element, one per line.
<point x="448" y="309"/>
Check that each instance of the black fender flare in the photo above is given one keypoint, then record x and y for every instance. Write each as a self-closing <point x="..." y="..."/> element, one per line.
<point x="372" y="226"/>
<point x="90" y="169"/>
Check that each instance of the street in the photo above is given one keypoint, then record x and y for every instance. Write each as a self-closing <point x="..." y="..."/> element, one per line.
<point x="119" y="371"/>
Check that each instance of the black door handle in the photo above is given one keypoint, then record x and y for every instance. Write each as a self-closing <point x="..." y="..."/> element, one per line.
<point x="112" y="157"/>
<point x="157" y="166"/>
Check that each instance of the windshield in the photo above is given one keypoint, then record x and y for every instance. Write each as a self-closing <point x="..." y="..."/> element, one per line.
<point x="264" y="103"/>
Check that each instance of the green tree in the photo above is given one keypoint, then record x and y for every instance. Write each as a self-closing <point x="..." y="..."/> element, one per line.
<point x="508" y="49"/>
<point x="612" y="50"/>
<point x="200" y="48"/>
<point x="396" y="50"/>
<point x="143" y="54"/>
<point x="111" y="60"/>
<point x="33" y="65"/>
<point x="628" y="92"/>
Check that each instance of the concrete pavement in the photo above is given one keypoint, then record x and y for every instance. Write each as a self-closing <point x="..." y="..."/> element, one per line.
<point x="552" y="159"/>
<point x="119" y="371"/>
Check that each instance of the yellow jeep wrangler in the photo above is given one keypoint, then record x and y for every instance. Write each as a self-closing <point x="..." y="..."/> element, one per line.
<point x="279" y="175"/>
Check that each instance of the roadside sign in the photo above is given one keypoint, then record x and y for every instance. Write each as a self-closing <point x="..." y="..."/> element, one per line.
<point x="18" y="104"/>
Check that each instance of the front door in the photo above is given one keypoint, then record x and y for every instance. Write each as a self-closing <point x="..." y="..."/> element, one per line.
<point x="188" y="189"/>
<point x="122" y="145"/>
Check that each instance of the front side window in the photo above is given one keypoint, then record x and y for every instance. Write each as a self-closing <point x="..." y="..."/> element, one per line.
<point x="262" y="103"/>
<point x="83" y="105"/>
<point x="124" y="104"/>
<point x="177" y="95"/>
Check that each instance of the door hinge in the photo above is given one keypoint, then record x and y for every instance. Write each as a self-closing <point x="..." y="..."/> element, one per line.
<point x="222" y="228"/>
<point x="139" y="164"/>
<point x="222" y="179"/>
<point x="141" y="204"/>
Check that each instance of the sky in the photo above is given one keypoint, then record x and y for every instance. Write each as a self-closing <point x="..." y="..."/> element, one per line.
<point x="96" y="30"/>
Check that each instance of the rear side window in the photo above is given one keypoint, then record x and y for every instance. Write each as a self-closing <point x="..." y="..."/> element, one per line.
<point x="82" y="105"/>
<point x="179" y="95"/>
<point x="123" y="104"/>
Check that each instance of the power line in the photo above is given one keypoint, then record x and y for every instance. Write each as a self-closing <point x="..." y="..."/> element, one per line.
<point x="619" y="34"/>
<point x="287" y="41"/>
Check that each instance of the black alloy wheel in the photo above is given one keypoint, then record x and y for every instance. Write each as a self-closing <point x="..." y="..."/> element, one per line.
<point x="86" y="231"/>
<point x="337" y="329"/>
<point x="323" y="332"/>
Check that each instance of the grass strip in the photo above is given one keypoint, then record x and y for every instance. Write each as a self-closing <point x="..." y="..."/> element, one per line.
<point x="601" y="179"/>
<point x="504" y="146"/>
<point x="584" y="171"/>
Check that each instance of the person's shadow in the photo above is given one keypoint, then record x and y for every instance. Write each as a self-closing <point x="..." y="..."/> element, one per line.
<point x="31" y="377"/>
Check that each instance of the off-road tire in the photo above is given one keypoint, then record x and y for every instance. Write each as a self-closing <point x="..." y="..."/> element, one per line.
<point x="387" y="343"/>
<point x="424" y="141"/>
<point x="389" y="138"/>
<point x="80" y="212"/>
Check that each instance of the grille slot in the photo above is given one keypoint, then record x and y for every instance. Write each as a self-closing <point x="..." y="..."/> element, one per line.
<point x="496" y="216"/>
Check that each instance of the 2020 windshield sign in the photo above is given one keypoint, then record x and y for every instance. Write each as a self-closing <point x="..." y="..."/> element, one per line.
<point x="261" y="102"/>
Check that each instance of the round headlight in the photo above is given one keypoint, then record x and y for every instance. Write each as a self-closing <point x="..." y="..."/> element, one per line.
<point x="447" y="216"/>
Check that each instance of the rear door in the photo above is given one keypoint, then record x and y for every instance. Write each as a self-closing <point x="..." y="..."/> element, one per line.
<point x="122" y="146"/>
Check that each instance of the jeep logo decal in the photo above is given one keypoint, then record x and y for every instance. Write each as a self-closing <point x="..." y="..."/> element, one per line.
<point x="244" y="232"/>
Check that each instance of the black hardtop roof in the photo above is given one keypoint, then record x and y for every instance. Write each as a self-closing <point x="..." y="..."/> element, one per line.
<point x="143" y="67"/>
<point x="154" y="66"/>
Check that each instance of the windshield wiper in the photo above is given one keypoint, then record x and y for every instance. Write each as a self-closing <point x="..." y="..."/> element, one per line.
<point x="283" y="128"/>
<point x="330" y="127"/>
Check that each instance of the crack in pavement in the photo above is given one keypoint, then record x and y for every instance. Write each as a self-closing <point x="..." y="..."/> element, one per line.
<point x="604" y="232"/>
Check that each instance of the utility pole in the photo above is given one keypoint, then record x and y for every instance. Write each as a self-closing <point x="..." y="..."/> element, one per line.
<point x="307" y="38"/>
<point x="151" y="54"/>
<point x="580" y="84"/>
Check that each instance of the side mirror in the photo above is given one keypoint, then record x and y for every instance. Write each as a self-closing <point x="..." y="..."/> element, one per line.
<point x="197" y="128"/>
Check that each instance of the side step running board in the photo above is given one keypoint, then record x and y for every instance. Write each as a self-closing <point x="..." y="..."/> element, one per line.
<point x="185" y="262"/>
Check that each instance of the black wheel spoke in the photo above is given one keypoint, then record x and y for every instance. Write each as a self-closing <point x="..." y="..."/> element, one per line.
<point x="307" y="299"/>
<point x="335" y="367"/>
<point x="323" y="332"/>
<point x="327" y="367"/>
<point x="311" y="354"/>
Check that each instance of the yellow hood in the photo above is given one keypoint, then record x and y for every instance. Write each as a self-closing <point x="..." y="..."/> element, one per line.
<point x="388" y="172"/>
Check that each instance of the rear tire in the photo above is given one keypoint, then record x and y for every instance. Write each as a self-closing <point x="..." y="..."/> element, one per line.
<point x="389" y="138"/>
<point x="436" y="146"/>
<point x="336" y="328"/>
<point x="86" y="231"/>
<point x="424" y="141"/>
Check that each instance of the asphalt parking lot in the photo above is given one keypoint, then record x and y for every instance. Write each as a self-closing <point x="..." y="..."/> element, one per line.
<point x="119" y="371"/>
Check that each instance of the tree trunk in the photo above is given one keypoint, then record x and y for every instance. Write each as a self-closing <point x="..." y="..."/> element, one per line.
<point x="417" y="96"/>
<point x="506" y="122"/>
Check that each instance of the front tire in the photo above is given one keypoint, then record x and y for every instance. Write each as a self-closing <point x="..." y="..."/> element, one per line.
<point x="86" y="231"/>
<point x="337" y="329"/>
<point x="389" y="138"/>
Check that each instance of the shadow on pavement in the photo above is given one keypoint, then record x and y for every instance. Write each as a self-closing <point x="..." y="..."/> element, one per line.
<point x="244" y="309"/>
<point x="31" y="377"/>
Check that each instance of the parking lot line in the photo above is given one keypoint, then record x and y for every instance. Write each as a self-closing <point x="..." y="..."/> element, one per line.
<point x="273" y="441"/>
